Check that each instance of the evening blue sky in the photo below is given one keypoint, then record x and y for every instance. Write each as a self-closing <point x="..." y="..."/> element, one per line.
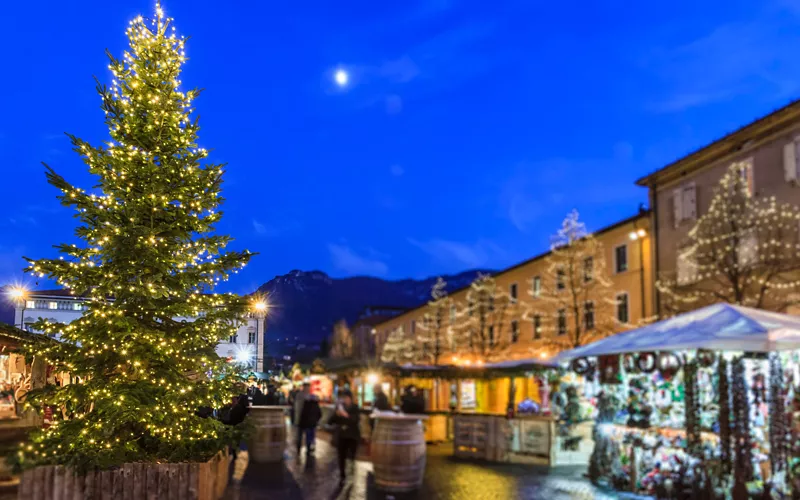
<point x="466" y="133"/>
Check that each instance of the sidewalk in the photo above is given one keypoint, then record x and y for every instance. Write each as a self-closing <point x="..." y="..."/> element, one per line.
<point x="445" y="479"/>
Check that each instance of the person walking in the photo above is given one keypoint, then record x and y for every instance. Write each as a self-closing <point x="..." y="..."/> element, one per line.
<point x="241" y="457"/>
<point x="348" y="434"/>
<point x="309" y="414"/>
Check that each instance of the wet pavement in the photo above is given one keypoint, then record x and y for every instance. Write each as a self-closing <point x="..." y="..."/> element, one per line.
<point x="445" y="478"/>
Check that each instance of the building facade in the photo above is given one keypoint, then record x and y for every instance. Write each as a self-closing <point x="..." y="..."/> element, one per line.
<point x="627" y="247"/>
<point x="244" y="347"/>
<point x="768" y="151"/>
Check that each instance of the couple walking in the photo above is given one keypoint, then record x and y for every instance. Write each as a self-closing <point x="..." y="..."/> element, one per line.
<point x="306" y="414"/>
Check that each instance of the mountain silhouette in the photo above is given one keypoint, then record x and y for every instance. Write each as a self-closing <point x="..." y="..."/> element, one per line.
<point x="306" y="304"/>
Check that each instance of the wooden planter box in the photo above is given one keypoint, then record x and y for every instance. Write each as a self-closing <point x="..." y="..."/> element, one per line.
<point x="136" y="481"/>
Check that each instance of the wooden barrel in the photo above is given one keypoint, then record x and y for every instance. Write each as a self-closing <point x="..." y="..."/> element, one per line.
<point x="398" y="452"/>
<point x="269" y="437"/>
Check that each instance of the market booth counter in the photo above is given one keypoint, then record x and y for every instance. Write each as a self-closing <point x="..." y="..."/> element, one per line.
<point x="529" y="439"/>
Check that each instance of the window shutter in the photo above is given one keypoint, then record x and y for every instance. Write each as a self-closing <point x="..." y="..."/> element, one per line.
<point x="690" y="202"/>
<point x="677" y="206"/>
<point x="790" y="161"/>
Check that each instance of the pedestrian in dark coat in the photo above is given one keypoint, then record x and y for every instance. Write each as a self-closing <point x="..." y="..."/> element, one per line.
<point x="381" y="401"/>
<point x="346" y="420"/>
<point x="236" y="416"/>
<point x="413" y="402"/>
<point x="309" y="414"/>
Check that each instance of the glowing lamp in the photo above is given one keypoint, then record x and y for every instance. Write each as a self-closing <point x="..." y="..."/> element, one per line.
<point x="372" y="378"/>
<point x="17" y="293"/>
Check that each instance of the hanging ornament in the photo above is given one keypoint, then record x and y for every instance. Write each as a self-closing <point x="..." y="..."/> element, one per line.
<point x="706" y="358"/>
<point x="724" y="398"/>
<point x="778" y="432"/>
<point x="668" y="364"/>
<point x="609" y="369"/>
<point x="692" y="404"/>
<point x="581" y="366"/>
<point x="629" y="364"/>
<point x="743" y="447"/>
<point x="646" y="362"/>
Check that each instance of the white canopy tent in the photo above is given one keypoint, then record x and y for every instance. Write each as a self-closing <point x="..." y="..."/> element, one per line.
<point x="720" y="327"/>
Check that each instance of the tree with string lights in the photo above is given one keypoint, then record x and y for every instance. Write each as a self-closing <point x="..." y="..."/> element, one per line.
<point x="745" y="250"/>
<point x="576" y="295"/>
<point x="148" y="254"/>
<point x="435" y="332"/>
<point x="484" y="325"/>
<point x="342" y="342"/>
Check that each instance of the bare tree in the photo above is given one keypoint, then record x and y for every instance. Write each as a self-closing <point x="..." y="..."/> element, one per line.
<point x="342" y="344"/>
<point x="485" y="324"/>
<point x="745" y="250"/>
<point x="434" y="331"/>
<point x="398" y="348"/>
<point x="576" y="295"/>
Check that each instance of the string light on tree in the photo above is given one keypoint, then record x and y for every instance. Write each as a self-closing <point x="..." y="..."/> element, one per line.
<point x="148" y="255"/>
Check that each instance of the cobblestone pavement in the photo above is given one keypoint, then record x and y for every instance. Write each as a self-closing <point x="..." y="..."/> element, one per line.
<point x="445" y="478"/>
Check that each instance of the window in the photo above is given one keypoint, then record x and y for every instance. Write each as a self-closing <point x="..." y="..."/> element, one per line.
<point x="684" y="203"/>
<point x="491" y="302"/>
<point x="512" y="291"/>
<point x="413" y="327"/>
<point x="560" y="285"/>
<point x="52" y="305"/>
<point x="251" y="337"/>
<point x="622" y="308"/>
<point x="77" y="306"/>
<point x="470" y="306"/>
<point x="745" y="168"/>
<point x="562" y="321"/>
<point x="588" y="315"/>
<point x="537" y="327"/>
<point x="621" y="259"/>
<point x="452" y="313"/>
<point x="686" y="267"/>
<point x="536" y="287"/>
<point x="232" y="339"/>
<point x="30" y="304"/>
<point x="514" y="331"/>
<point x="791" y="157"/>
<point x="491" y="335"/>
<point x="588" y="269"/>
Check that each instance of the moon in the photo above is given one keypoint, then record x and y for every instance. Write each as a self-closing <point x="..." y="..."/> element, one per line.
<point x="341" y="77"/>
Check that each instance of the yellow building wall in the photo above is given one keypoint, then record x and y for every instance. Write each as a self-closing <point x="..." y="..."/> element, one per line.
<point x="637" y="281"/>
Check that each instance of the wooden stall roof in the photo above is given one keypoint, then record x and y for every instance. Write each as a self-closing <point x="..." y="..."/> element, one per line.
<point x="12" y="337"/>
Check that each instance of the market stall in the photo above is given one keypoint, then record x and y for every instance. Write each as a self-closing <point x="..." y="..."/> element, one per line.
<point x="17" y="378"/>
<point x="695" y="406"/>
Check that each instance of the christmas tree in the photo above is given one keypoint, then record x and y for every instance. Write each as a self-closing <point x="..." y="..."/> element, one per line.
<point x="145" y="348"/>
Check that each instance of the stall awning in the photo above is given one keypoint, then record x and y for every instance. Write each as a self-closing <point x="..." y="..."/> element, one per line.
<point x="720" y="327"/>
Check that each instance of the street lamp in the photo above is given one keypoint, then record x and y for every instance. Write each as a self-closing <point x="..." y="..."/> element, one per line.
<point x="19" y="295"/>
<point x="260" y="307"/>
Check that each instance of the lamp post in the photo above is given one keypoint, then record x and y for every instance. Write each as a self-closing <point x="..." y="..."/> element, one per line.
<point x="20" y="295"/>
<point x="260" y="307"/>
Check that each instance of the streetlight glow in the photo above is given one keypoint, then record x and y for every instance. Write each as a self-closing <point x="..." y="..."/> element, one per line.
<point x="17" y="293"/>
<point x="260" y="306"/>
<point x="341" y="77"/>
